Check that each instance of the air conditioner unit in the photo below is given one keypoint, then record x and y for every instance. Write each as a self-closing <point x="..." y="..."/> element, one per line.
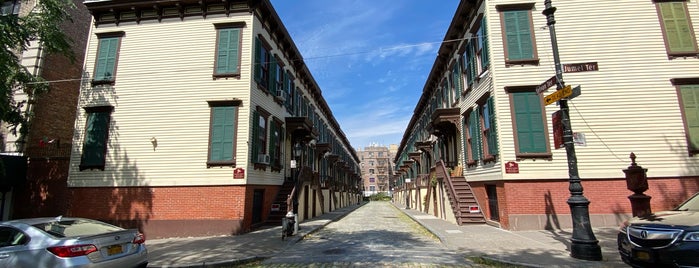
<point x="281" y="94"/>
<point x="263" y="159"/>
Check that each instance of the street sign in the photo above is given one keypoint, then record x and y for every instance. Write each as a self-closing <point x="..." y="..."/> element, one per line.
<point x="576" y="92"/>
<point x="558" y="94"/>
<point x="580" y="67"/>
<point x="546" y="85"/>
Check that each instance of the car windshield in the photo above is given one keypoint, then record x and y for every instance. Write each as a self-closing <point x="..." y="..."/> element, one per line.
<point x="690" y="205"/>
<point x="76" y="227"/>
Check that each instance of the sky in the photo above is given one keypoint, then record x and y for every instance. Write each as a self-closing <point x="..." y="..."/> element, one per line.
<point x="370" y="58"/>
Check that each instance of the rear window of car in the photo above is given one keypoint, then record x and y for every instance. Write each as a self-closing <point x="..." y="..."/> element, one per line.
<point x="75" y="228"/>
<point x="690" y="205"/>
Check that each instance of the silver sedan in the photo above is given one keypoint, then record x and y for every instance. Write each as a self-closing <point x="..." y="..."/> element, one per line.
<point x="70" y="242"/>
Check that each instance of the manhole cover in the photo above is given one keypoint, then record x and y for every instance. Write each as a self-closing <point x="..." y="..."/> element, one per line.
<point x="334" y="251"/>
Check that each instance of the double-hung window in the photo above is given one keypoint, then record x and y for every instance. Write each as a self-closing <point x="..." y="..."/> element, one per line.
<point x="96" y="137"/>
<point x="688" y="91"/>
<point x="263" y="59"/>
<point x="483" y="44"/>
<point x="518" y="34"/>
<point x="228" y="43"/>
<point x="222" y="133"/>
<point x="472" y="136"/>
<point x="107" y="57"/>
<point x="530" y="128"/>
<point x="677" y="28"/>
<point x="276" y="133"/>
<point x="260" y="125"/>
<point x="489" y="129"/>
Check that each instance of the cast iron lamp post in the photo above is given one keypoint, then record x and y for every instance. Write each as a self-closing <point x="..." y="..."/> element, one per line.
<point x="584" y="245"/>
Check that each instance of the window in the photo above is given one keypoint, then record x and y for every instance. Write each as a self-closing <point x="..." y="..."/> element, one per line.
<point x="472" y="137"/>
<point x="259" y="134"/>
<point x="372" y="179"/>
<point x="262" y="63"/>
<point x="489" y="131"/>
<point x="12" y="237"/>
<point x="531" y="133"/>
<point x="107" y="56"/>
<point x="222" y="133"/>
<point x="96" y="137"/>
<point x="483" y="45"/>
<point x="371" y="171"/>
<point x="456" y="81"/>
<point x="275" y="143"/>
<point x="688" y="92"/>
<point x="289" y="87"/>
<point x="10" y="7"/>
<point x="518" y="34"/>
<point x="227" y="50"/>
<point x="677" y="28"/>
<point x="276" y="77"/>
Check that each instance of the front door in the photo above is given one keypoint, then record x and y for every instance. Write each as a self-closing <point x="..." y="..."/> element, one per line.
<point x="257" y="204"/>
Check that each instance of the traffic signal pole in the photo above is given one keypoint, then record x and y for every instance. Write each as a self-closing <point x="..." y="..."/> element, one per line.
<point x="584" y="245"/>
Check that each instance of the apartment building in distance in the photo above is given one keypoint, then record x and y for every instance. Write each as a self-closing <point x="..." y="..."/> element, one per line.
<point x="484" y="146"/>
<point x="377" y="169"/>
<point x="201" y="118"/>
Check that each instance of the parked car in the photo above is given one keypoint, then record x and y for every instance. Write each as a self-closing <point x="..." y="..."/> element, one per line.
<point x="70" y="242"/>
<point x="663" y="239"/>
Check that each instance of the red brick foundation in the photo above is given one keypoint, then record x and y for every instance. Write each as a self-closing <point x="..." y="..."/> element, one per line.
<point x="541" y="204"/>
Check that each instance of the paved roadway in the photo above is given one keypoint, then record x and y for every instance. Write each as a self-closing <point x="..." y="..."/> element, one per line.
<point x="376" y="234"/>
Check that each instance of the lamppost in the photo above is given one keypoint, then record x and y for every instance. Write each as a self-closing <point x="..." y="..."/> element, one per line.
<point x="298" y="156"/>
<point x="584" y="245"/>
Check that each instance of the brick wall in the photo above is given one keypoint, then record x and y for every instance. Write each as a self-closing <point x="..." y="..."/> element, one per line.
<point x="546" y="200"/>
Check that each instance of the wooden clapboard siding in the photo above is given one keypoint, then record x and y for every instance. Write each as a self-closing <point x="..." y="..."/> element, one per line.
<point x="163" y="83"/>
<point x="629" y="105"/>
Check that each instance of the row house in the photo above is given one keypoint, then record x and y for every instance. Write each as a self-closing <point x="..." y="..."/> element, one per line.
<point x="483" y="144"/>
<point x="201" y="118"/>
<point x="36" y="161"/>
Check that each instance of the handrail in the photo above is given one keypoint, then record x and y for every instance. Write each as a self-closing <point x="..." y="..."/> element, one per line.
<point x="450" y="187"/>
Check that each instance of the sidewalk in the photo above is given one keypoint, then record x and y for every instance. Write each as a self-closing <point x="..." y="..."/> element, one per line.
<point x="539" y="248"/>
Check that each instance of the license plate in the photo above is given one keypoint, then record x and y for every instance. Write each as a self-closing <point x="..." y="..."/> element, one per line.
<point x="642" y="255"/>
<point x="115" y="249"/>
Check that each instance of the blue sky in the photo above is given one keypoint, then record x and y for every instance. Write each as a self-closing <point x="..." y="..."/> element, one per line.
<point x="370" y="58"/>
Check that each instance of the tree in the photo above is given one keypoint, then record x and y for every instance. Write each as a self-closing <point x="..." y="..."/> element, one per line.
<point x="42" y="23"/>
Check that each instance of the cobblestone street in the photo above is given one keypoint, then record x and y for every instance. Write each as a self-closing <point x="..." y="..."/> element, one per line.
<point x="376" y="234"/>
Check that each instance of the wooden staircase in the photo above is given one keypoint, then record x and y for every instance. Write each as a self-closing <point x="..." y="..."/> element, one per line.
<point x="275" y="217"/>
<point x="462" y="200"/>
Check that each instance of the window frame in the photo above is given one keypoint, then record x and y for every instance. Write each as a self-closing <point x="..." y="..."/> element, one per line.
<point x="692" y="37"/>
<point x="213" y="105"/>
<point x="679" y="83"/>
<point x="237" y="26"/>
<point x="528" y="7"/>
<point x="488" y="135"/>
<point x="263" y="59"/>
<point x="99" y="164"/>
<point x="107" y="80"/>
<point x="511" y="91"/>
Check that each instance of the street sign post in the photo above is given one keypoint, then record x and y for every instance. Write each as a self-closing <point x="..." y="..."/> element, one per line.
<point x="558" y="94"/>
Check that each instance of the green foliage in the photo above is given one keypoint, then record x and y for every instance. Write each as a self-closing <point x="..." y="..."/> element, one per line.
<point x="42" y="23"/>
<point x="380" y="197"/>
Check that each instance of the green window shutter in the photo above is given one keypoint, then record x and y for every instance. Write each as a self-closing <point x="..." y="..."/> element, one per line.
<point x="258" y="58"/>
<point x="227" y="60"/>
<point x="106" y="59"/>
<point x="475" y="132"/>
<point x="95" y="144"/>
<point x="255" y="136"/>
<point x="272" y="75"/>
<point x="690" y="104"/>
<point x="472" y="64"/>
<point x="492" y="128"/>
<point x="222" y="133"/>
<point x="485" y="59"/>
<point x="531" y="135"/>
<point x="518" y="35"/>
<point x="465" y="128"/>
<point x="677" y="27"/>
